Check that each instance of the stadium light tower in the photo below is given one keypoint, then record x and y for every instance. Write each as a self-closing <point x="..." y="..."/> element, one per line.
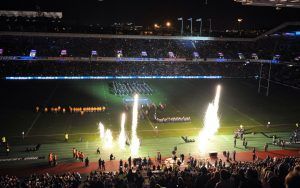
<point x="200" y="31"/>
<point x="239" y="24"/>
<point x="181" y="30"/>
<point x="210" y="26"/>
<point x="261" y="84"/>
<point x="168" y="24"/>
<point x="191" y="20"/>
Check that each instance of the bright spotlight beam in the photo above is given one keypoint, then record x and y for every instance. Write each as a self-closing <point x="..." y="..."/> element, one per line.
<point x="211" y="122"/>
<point x="135" y="142"/>
<point x="122" y="136"/>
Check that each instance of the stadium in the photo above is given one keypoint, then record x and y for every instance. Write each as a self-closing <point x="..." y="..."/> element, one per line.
<point x="177" y="101"/>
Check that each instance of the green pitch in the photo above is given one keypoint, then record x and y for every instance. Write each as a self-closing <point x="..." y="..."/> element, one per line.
<point x="239" y="104"/>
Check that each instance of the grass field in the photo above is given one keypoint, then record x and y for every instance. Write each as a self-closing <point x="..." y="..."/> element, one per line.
<point x="239" y="104"/>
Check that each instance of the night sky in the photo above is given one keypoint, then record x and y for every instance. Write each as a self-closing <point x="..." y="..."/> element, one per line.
<point x="224" y="13"/>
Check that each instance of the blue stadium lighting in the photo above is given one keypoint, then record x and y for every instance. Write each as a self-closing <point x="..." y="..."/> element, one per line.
<point x="63" y="52"/>
<point x="220" y="60"/>
<point x="144" y="54"/>
<point x="196" y="55"/>
<point x="275" y="61"/>
<point x="289" y="34"/>
<point x="107" y="77"/>
<point x="131" y="100"/>
<point x="32" y="53"/>
<point x="26" y="58"/>
<point x="297" y="33"/>
<point x="94" y="53"/>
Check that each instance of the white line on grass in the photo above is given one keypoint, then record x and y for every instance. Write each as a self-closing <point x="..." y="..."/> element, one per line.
<point x="33" y="123"/>
<point x="39" y="114"/>
<point x="245" y="115"/>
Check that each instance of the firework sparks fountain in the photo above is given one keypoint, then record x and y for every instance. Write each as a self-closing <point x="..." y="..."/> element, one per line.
<point x="101" y="130"/>
<point x="122" y="136"/>
<point x="105" y="136"/>
<point x="108" y="139"/>
<point x="211" y="122"/>
<point x="135" y="142"/>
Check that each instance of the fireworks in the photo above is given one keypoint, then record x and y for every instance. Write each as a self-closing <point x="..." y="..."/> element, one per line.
<point x="105" y="136"/>
<point x="211" y="122"/>
<point x="101" y="130"/>
<point x="122" y="136"/>
<point x="135" y="142"/>
<point x="108" y="139"/>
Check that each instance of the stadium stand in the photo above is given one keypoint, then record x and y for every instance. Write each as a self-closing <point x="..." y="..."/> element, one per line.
<point x="217" y="57"/>
<point x="48" y="46"/>
<point x="270" y="172"/>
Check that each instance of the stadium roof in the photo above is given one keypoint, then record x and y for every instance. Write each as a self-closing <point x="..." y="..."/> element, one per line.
<point x="273" y="3"/>
<point x="30" y="14"/>
<point x="223" y="13"/>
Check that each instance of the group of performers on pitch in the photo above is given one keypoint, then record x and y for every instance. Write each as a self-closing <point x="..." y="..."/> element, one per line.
<point x="187" y="140"/>
<point x="130" y="88"/>
<point x="52" y="159"/>
<point x="81" y="110"/>
<point x="172" y="119"/>
<point x="295" y="135"/>
<point x="240" y="132"/>
<point x="79" y="155"/>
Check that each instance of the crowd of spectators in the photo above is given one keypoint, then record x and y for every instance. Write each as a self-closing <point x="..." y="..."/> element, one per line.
<point x="42" y="180"/>
<point x="267" y="173"/>
<point x="38" y="68"/>
<point x="287" y="74"/>
<point x="286" y="49"/>
<point x="9" y="181"/>
<point x="46" y="180"/>
<point x="46" y="46"/>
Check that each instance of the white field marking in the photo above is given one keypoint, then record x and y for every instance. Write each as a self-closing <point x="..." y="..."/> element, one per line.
<point x="243" y="114"/>
<point x="39" y="114"/>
